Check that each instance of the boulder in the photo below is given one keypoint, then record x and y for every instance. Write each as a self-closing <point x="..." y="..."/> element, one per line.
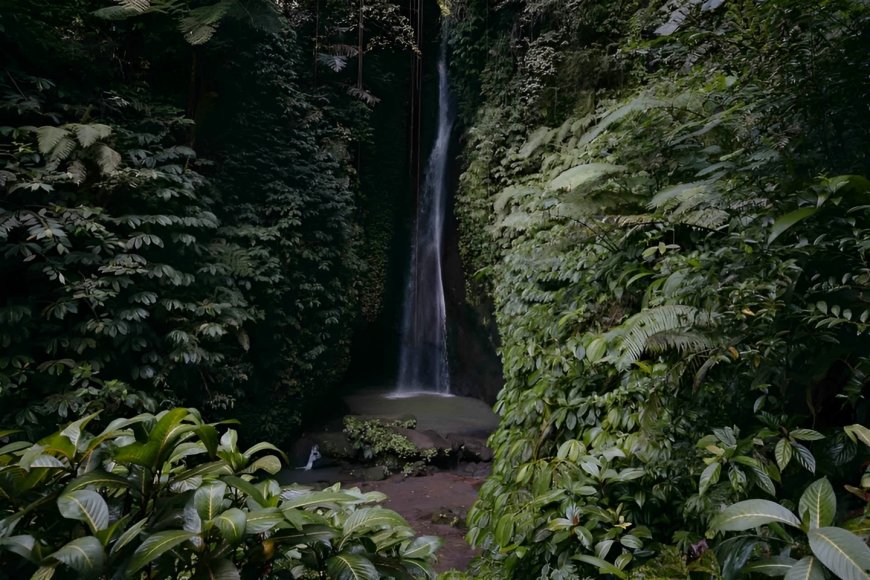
<point x="469" y="448"/>
<point x="376" y="473"/>
<point x="421" y="439"/>
<point x="438" y="440"/>
<point x="334" y="445"/>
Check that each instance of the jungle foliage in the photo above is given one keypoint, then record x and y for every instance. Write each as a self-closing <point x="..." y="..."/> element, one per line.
<point x="668" y="202"/>
<point x="179" y="207"/>
<point x="171" y="496"/>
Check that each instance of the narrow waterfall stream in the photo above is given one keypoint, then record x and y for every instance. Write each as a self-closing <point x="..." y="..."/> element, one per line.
<point x="423" y="353"/>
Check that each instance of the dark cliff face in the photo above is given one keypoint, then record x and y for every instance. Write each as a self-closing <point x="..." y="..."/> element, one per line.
<point x="472" y="336"/>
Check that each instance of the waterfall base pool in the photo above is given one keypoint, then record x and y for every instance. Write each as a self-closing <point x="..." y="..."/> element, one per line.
<point x="438" y="412"/>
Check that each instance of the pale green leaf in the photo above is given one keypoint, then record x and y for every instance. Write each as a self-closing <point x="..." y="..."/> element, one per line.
<point x="232" y="524"/>
<point x="209" y="499"/>
<point x="84" y="555"/>
<point x="85" y="505"/>
<point x="818" y="504"/>
<point x="784" y="222"/>
<point x="808" y="568"/>
<point x="844" y="553"/>
<point x="347" y="566"/>
<point x="752" y="513"/>
<point x="155" y="546"/>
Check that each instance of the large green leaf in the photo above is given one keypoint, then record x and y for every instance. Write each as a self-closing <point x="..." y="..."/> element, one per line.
<point x="74" y="430"/>
<point x="268" y="463"/>
<point x="370" y="519"/>
<point x="209" y="437"/>
<point x="750" y="514"/>
<point x="209" y="499"/>
<point x="307" y="535"/>
<point x="85" y="505"/>
<point x="21" y="545"/>
<point x="213" y="468"/>
<point x="858" y="431"/>
<point x="168" y="429"/>
<point x="97" y="479"/>
<point x="259" y="521"/>
<point x="602" y="565"/>
<point x="709" y="476"/>
<point x="246" y="487"/>
<point x="128" y="536"/>
<point x="783" y="453"/>
<point x="263" y="446"/>
<point x="316" y="498"/>
<point x="784" y="222"/>
<point x="84" y="555"/>
<point x="144" y="454"/>
<point x="844" y="553"/>
<point x="777" y="566"/>
<point x="347" y="566"/>
<point x="818" y="504"/>
<point x="807" y="568"/>
<point x="58" y="443"/>
<point x="422" y="547"/>
<point x="155" y="546"/>
<point x="232" y="524"/>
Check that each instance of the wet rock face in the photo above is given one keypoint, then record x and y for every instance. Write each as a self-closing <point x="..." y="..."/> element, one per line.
<point x="472" y="336"/>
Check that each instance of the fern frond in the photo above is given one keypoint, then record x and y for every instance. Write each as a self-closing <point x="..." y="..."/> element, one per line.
<point x="363" y="95"/>
<point x="87" y="135"/>
<point x="124" y="9"/>
<point x="334" y="62"/>
<point x="107" y="159"/>
<point x="201" y="23"/>
<point x="62" y="150"/>
<point x="679" y="193"/>
<point x="682" y="342"/>
<point x="539" y="137"/>
<point x="345" y="50"/>
<point x="582" y="174"/>
<point x="507" y="196"/>
<point x="672" y="323"/>
<point x="641" y="103"/>
<point x="48" y="138"/>
<point x="634" y="220"/>
<point x="710" y="219"/>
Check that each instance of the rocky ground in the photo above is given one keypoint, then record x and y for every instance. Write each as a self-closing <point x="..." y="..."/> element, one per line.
<point x="436" y="501"/>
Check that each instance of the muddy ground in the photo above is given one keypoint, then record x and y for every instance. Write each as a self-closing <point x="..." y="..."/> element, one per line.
<point x="434" y="505"/>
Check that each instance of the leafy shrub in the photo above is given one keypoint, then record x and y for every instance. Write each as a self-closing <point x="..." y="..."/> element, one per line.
<point x="169" y="496"/>
<point x="809" y="546"/>
<point x="379" y="443"/>
<point x="674" y="238"/>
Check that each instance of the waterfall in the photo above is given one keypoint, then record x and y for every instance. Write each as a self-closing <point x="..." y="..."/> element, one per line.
<point x="423" y="355"/>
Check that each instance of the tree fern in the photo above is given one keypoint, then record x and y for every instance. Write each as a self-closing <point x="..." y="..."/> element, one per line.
<point x="201" y="23"/>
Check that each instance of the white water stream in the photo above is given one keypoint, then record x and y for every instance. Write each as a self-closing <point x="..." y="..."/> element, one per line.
<point x="423" y="354"/>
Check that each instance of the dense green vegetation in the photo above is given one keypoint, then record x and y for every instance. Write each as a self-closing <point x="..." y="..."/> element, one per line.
<point x="179" y="499"/>
<point x="668" y="201"/>
<point x="180" y="212"/>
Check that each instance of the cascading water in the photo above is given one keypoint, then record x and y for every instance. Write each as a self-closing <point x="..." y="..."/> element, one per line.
<point x="423" y="354"/>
